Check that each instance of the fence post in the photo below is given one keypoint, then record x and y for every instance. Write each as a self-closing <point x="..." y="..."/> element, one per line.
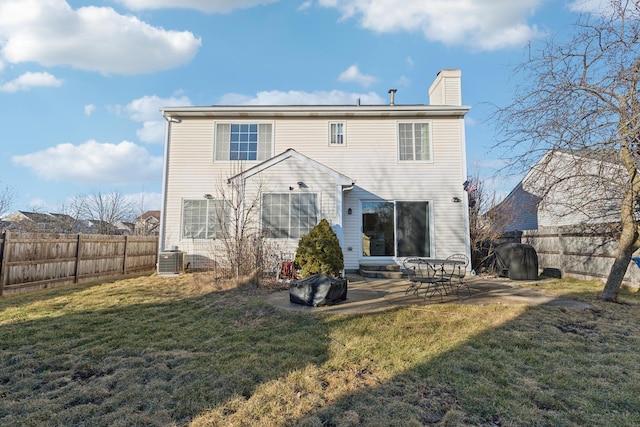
<point x="561" y="251"/>
<point x="124" y="256"/>
<point x="76" y="273"/>
<point x="3" y="261"/>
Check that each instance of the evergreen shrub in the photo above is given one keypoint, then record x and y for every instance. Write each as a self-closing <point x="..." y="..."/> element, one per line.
<point x="319" y="251"/>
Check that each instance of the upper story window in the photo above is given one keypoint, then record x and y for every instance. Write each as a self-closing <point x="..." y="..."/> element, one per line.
<point x="243" y="141"/>
<point x="414" y="141"/>
<point x="336" y="133"/>
<point x="204" y="219"/>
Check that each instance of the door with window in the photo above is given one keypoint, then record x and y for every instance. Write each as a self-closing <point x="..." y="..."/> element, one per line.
<point x="397" y="228"/>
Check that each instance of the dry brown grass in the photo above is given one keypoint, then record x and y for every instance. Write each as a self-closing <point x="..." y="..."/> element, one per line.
<point x="194" y="350"/>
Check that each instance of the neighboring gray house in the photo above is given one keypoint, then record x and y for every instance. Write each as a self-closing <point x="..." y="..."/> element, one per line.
<point x="565" y="188"/>
<point x="388" y="178"/>
<point x="568" y="207"/>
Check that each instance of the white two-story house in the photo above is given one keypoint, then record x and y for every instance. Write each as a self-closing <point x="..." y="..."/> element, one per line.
<point x="388" y="178"/>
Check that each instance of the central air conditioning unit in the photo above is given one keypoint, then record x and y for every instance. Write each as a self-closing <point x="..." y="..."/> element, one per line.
<point x="171" y="263"/>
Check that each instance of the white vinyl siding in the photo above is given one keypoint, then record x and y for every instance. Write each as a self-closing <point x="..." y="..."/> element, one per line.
<point x="243" y="141"/>
<point x="414" y="142"/>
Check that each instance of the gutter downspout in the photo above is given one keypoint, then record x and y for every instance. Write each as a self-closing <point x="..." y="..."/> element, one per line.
<point x="340" y="235"/>
<point x="165" y="172"/>
<point x="465" y="214"/>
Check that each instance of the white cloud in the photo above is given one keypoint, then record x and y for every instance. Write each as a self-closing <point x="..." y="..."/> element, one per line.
<point x="30" y="80"/>
<point x="89" y="109"/>
<point x="147" y="111"/>
<point x="39" y="205"/>
<point x="592" y="6"/>
<point x="469" y="120"/>
<point x="207" y="6"/>
<point x="94" y="163"/>
<point x="480" y="24"/>
<point x="51" y="33"/>
<point x="145" y="201"/>
<point x="148" y="107"/>
<point x="305" y="5"/>
<point x="292" y="97"/>
<point x="353" y="74"/>
<point x="404" y="81"/>
<point x="409" y="62"/>
<point x="151" y="132"/>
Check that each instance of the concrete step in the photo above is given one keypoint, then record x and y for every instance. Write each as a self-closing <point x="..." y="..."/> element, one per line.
<point x="379" y="267"/>
<point x="381" y="274"/>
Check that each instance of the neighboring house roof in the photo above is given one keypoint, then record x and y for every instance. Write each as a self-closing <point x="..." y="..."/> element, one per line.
<point x="341" y="179"/>
<point x="566" y="188"/>
<point x="148" y="223"/>
<point x="63" y="217"/>
<point x="28" y="216"/>
<point x="517" y="212"/>
<point x="149" y="215"/>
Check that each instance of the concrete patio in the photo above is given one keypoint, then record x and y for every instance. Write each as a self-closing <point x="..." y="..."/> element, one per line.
<point x="367" y="295"/>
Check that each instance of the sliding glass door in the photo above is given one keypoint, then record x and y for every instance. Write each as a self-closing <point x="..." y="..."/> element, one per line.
<point x="395" y="229"/>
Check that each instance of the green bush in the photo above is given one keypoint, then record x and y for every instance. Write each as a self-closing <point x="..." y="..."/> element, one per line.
<point x="319" y="251"/>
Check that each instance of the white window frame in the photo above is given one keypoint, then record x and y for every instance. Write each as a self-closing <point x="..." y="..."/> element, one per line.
<point x="210" y="226"/>
<point x="414" y="145"/>
<point x="222" y="140"/>
<point x="289" y="235"/>
<point x="334" y="136"/>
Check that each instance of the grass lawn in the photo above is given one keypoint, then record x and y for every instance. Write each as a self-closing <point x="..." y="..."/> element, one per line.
<point x="153" y="351"/>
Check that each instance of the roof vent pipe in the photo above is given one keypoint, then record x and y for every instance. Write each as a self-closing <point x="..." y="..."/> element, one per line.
<point x="393" y="96"/>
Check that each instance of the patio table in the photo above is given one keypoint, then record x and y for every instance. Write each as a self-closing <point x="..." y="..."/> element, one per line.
<point x="433" y="274"/>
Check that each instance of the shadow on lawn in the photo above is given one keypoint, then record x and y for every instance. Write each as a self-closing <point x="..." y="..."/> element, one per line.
<point x="548" y="366"/>
<point x="148" y="364"/>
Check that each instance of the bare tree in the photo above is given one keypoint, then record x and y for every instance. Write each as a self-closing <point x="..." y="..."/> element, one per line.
<point x="71" y="214"/>
<point x="579" y="93"/>
<point x="105" y="210"/>
<point x="487" y="222"/>
<point x="240" y="235"/>
<point x="7" y="197"/>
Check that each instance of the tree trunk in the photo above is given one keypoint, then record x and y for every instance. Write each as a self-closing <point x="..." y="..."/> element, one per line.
<point x="614" y="281"/>
<point x="626" y="247"/>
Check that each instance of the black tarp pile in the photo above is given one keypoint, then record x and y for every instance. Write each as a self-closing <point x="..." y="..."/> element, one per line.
<point x="517" y="261"/>
<point x="318" y="290"/>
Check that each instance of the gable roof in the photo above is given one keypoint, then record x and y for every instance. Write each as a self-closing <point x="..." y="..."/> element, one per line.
<point x="341" y="179"/>
<point x="565" y="187"/>
<point x="608" y="158"/>
<point x="36" y="216"/>
<point x="149" y="214"/>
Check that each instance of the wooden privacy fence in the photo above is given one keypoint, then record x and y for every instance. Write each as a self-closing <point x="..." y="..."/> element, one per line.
<point x="31" y="261"/>
<point x="578" y="252"/>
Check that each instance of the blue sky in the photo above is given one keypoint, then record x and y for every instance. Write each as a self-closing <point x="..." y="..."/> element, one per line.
<point x="81" y="82"/>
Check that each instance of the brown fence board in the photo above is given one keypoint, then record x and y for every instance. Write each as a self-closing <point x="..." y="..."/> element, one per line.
<point x="33" y="261"/>
<point x="587" y="255"/>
